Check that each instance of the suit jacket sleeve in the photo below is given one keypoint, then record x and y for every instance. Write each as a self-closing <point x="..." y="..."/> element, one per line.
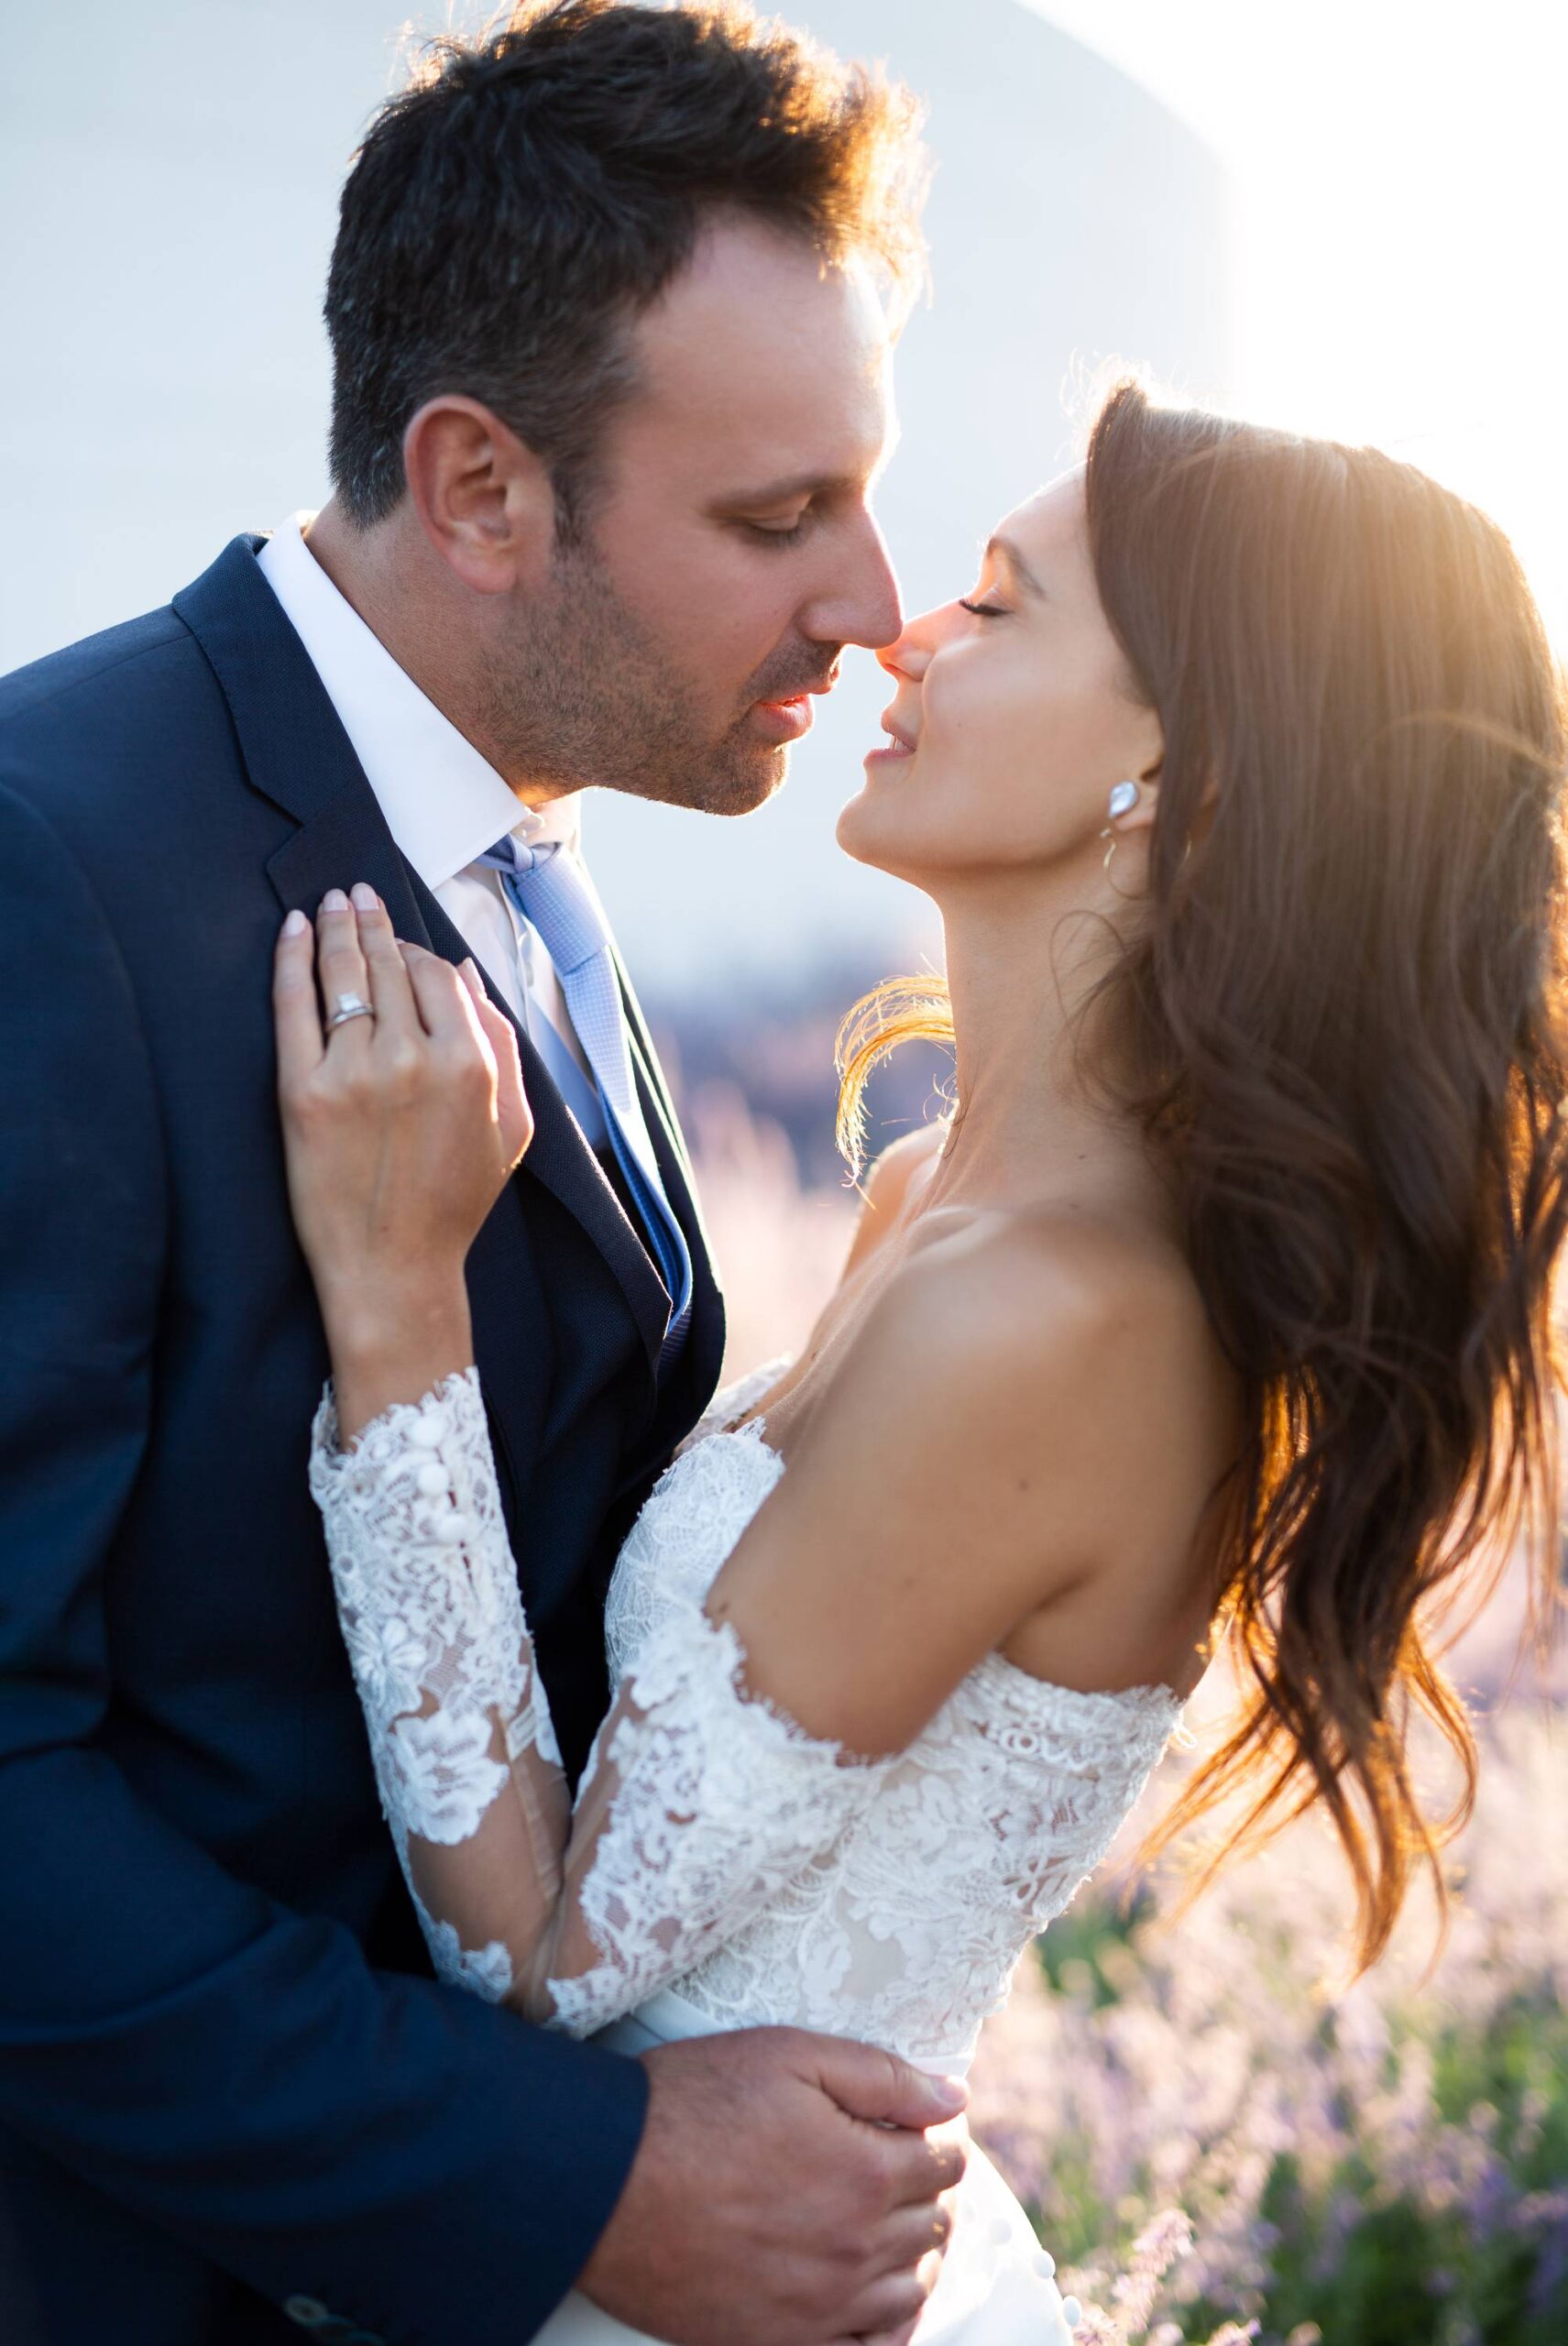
<point x="420" y="2162"/>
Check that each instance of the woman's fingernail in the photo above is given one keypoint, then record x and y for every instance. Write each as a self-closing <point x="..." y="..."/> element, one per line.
<point x="365" y="900"/>
<point x="469" y="971"/>
<point x="296" y="924"/>
<point x="334" y="901"/>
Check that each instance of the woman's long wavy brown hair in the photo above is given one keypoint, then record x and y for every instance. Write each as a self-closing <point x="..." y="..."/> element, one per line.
<point x="1344" y="1026"/>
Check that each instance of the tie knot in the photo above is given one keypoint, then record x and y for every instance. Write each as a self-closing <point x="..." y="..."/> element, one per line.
<point x="510" y="854"/>
<point x="549" y="890"/>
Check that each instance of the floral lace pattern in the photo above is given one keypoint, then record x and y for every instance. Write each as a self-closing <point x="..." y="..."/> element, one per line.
<point x="716" y="1801"/>
<point x="903" y="1931"/>
<point x="428" y="1603"/>
<point x="716" y="1846"/>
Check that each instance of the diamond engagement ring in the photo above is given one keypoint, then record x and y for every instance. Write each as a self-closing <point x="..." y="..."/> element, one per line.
<point x="348" y="1007"/>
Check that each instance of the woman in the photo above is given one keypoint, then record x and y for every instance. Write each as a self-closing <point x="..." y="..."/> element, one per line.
<point x="1222" y="1299"/>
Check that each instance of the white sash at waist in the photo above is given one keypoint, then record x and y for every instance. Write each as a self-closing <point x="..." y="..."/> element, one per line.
<point x="668" y="2017"/>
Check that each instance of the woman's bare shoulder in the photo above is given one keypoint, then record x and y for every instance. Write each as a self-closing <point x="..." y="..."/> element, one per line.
<point x="1034" y="1287"/>
<point x="1019" y="1399"/>
<point x="1037" y="1346"/>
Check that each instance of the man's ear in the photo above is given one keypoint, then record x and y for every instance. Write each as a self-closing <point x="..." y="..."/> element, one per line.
<point x="485" y="501"/>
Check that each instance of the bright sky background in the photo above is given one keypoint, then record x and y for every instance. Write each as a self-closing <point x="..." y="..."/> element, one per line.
<point x="1394" y="263"/>
<point x="1400" y="177"/>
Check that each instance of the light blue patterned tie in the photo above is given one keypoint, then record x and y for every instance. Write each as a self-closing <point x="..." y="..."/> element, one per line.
<point x="552" y="895"/>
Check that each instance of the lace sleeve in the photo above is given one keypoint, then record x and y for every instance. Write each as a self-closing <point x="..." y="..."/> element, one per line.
<point x="699" y="1804"/>
<point x="457" y="1716"/>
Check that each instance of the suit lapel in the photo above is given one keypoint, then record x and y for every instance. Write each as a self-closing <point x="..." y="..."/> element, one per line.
<point x="559" y="1157"/>
<point x="347" y="841"/>
<point x="297" y="755"/>
<point x="704" y="1356"/>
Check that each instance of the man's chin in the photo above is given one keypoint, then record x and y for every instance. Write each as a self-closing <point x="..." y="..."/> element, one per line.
<point x="764" y="779"/>
<point x="736" y="783"/>
<point x="739" y="784"/>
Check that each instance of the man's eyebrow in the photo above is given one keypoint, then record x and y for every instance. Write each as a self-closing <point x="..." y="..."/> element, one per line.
<point x="1009" y="553"/>
<point x="783" y="492"/>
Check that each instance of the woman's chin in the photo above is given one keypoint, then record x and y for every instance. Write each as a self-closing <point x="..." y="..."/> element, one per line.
<point x="852" y="828"/>
<point x="875" y="828"/>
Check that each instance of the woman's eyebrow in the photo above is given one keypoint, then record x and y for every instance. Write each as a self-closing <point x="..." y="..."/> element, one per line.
<point x="1004" y="549"/>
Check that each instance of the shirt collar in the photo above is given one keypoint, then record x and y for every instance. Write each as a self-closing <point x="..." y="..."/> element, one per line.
<point x="443" y="803"/>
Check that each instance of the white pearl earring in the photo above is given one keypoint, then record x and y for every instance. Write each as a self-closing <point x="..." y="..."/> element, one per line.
<point x="1124" y="798"/>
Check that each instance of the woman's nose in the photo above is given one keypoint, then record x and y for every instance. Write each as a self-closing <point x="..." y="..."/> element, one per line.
<point x="910" y="655"/>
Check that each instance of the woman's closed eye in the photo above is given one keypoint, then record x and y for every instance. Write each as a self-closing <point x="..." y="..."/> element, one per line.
<point x="983" y="611"/>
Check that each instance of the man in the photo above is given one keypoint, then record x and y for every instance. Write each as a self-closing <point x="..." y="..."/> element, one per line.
<point x="610" y="354"/>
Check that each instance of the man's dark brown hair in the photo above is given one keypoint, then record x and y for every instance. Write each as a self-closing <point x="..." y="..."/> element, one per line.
<point x="512" y="213"/>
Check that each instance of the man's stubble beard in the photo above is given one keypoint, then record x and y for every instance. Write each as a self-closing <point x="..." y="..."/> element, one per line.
<point x="583" y="697"/>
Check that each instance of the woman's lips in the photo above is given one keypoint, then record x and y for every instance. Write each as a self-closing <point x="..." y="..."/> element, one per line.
<point x="895" y="751"/>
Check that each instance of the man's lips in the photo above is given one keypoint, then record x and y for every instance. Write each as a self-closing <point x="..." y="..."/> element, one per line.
<point x="789" y="715"/>
<point x="784" y="720"/>
<point x="816" y="685"/>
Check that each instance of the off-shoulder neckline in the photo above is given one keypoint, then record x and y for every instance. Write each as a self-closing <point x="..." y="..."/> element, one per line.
<point x="995" y="1666"/>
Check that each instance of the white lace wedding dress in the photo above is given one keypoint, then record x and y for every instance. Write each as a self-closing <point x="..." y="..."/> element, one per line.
<point x="725" y="1869"/>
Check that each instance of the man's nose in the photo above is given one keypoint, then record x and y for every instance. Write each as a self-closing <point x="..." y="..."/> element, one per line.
<point x="861" y="603"/>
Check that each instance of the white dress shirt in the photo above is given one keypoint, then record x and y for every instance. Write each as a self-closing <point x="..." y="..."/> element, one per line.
<point x="445" y="804"/>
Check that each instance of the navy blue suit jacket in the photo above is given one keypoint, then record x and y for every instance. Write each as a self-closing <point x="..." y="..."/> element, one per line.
<point x="228" y="2077"/>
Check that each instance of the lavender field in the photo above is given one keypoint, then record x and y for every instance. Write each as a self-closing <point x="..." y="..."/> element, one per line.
<point x="1384" y="2164"/>
<point x="1217" y="2137"/>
